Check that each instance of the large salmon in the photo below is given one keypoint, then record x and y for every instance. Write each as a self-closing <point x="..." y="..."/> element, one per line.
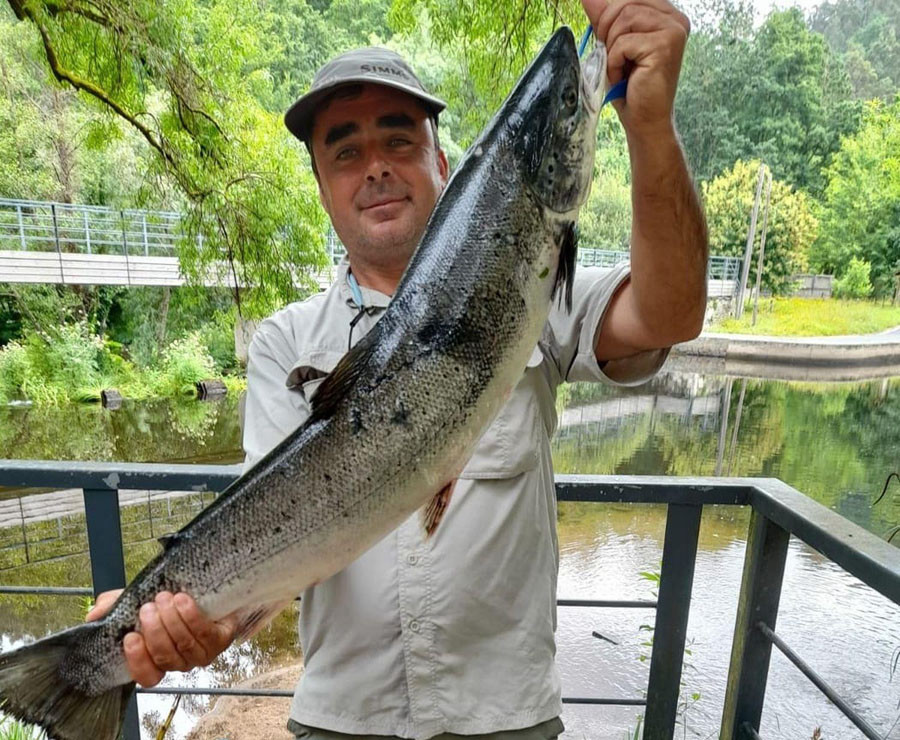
<point x="395" y="422"/>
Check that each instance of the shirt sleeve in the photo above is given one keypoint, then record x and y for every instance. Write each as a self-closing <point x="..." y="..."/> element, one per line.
<point x="573" y="336"/>
<point x="272" y="410"/>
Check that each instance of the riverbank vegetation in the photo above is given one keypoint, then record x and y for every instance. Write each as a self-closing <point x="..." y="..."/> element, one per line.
<point x="178" y="106"/>
<point x="813" y="317"/>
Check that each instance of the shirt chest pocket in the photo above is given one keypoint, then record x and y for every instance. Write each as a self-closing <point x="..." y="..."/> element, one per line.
<point x="511" y="444"/>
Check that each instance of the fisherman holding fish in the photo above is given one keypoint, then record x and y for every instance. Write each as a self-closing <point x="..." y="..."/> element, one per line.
<point x="451" y="633"/>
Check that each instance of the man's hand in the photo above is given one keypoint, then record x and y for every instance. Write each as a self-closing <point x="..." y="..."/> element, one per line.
<point x="646" y="39"/>
<point x="174" y="636"/>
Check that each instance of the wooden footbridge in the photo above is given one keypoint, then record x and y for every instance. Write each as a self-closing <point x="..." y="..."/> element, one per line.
<point x="65" y="244"/>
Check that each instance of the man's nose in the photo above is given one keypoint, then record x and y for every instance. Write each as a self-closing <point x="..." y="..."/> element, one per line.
<point x="377" y="168"/>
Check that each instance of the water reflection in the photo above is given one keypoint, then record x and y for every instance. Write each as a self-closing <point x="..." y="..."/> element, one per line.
<point x="835" y="442"/>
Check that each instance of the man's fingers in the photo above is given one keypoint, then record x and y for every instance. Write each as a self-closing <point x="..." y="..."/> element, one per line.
<point x="159" y="644"/>
<point x="140" y="665"/>
<point x="617" y="7"/>
<point x="630" y="47"/>
<point x="214" y="636"/>
<point x="192" y="651"/>
<point x="641" y="19"/>
<point x="103" y="604"/>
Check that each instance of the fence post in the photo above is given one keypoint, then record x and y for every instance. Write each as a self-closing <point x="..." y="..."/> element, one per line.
<point x="764" y="562"/>
<point x="87" y="231"/>
<point x="144" y="224"/>
<point x="125" y="246"/>
<point x="21" y="228"/>
<point x="748" y="250"/>
<point x="62" y="273"/>
<point x="104" y="528"/>
<point x="673" y="607"/>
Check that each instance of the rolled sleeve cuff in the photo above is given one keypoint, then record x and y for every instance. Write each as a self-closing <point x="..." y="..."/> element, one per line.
<point x="627" y="371"/>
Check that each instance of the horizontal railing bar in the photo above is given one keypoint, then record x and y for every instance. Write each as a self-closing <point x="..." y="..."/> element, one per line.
<point x="116" y="475"/>
<point x="866" y="556"/>
<point x="232" y="691"/>
<point x="647" y="489"/>
<point x="47" y="590"/>
<point x="606" y="604"/>
<point x="604" y="702"/>
<point x="820" y="683"/>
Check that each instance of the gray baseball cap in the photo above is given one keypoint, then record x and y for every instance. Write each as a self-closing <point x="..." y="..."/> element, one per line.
<point x="372" y="64"/>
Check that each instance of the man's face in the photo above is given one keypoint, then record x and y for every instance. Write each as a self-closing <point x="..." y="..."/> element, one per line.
<point x="379" y="172"/>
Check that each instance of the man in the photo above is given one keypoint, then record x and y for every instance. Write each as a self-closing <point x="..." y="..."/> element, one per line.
<point x="453" y="636"/>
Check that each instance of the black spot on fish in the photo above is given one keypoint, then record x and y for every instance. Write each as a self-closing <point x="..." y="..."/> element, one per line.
<point x="205" y="565"/>
<point x="401" y="413"/>
<point x="277" y="530"/>
<point x="356" y="421"/>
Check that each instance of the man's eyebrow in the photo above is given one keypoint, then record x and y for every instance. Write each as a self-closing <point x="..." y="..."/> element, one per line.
<point x="336" y="133"/>
<point x="395" y="120"/>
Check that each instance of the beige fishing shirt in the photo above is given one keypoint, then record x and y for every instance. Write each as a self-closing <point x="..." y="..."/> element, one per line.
<point x="456" y="633"/>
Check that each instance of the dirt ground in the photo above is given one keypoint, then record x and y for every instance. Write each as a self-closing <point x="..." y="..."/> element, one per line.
<point x="251" y="717"/>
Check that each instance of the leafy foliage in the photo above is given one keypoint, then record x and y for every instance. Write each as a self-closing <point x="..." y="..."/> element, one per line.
<point x="855" y="283"/>
<point x="188" y="77"/>
<point x="792" y="227"/>
<point x="774" y="93"/>
<point x="860" y="213"/>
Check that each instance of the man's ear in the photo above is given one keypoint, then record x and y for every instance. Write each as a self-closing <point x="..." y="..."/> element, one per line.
<point x="443" y="166"/>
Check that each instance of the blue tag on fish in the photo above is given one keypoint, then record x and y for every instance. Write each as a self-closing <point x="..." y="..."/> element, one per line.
<point x="617" y="91"/>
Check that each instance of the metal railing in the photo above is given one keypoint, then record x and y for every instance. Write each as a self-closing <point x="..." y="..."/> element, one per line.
<point x="38" y="226"/>
<point x="778" y="512"/>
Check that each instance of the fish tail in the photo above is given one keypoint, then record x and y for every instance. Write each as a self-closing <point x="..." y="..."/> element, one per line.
<point x="34" y="688"/>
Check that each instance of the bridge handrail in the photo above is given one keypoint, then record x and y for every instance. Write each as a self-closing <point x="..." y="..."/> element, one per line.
<point x="778" y="511"/>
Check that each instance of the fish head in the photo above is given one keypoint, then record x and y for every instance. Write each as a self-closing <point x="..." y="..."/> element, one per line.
<point x="559" y="106"/>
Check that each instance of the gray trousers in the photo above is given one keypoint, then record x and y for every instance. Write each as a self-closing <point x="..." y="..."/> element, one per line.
<point x="548" y="730"/>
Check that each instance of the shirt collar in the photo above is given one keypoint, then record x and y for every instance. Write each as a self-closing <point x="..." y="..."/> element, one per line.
<point x="373" y="299"/>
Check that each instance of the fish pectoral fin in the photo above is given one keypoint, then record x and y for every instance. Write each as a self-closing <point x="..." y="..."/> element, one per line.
<point x="434" y="511"/>
<point x="342" y="379"/>
<point x="565" y="270"/>
<point x="251" y="619"/>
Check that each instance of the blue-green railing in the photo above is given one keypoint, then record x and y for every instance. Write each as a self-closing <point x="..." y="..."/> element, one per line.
<point x="778" y="512"/>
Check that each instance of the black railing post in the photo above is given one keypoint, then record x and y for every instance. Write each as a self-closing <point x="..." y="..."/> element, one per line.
<point x="675" y="583"/>
<point x="750" y="651"/>
<point x="104" y="530"/>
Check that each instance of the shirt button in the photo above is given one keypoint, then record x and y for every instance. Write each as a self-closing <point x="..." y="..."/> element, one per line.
<point x="412" y="559"/>
<point x="414" y="625"/>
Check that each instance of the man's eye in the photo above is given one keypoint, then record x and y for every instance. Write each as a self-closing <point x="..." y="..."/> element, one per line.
<point x="346" y="153"/>
<point x="399" y="141"/>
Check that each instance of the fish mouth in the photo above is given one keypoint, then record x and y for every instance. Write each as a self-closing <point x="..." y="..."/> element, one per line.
<point x="593" y="78"/>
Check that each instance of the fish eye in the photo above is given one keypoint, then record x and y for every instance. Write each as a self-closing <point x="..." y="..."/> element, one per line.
<point x="570" y="97"/>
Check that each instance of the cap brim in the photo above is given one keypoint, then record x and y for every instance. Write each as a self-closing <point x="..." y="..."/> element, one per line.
<point x="299" y="116"/>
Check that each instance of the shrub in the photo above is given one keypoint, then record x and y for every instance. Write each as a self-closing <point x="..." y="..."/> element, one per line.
<point x="855" y="282"/>
<point x="185" y="361"/>
<point x="13" y="371"/>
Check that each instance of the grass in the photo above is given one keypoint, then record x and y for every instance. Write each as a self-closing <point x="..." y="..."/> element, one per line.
<point x="812" y="317"/>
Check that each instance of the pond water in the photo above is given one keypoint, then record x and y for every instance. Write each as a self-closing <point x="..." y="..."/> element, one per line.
<point x="835" y="442"/>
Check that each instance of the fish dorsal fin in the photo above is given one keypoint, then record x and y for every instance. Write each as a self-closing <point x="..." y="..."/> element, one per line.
<point x="344" y="376"/>
<point x="565" y="270"/>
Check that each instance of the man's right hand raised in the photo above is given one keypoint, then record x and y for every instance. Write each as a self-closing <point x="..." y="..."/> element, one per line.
<point x="174" y="635"/>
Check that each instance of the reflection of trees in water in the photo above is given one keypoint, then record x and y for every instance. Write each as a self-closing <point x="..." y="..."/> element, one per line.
<point x="164" y="430"/>
<point x="835" y="442"/>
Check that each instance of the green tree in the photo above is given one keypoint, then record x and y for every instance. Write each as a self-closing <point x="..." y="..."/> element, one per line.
<point x="867" y="34"/>
<point x="860" y="215"/>
<point x="774" y="93"/>
<point x="188" y="78"/>
<point x="792" y="227"/>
